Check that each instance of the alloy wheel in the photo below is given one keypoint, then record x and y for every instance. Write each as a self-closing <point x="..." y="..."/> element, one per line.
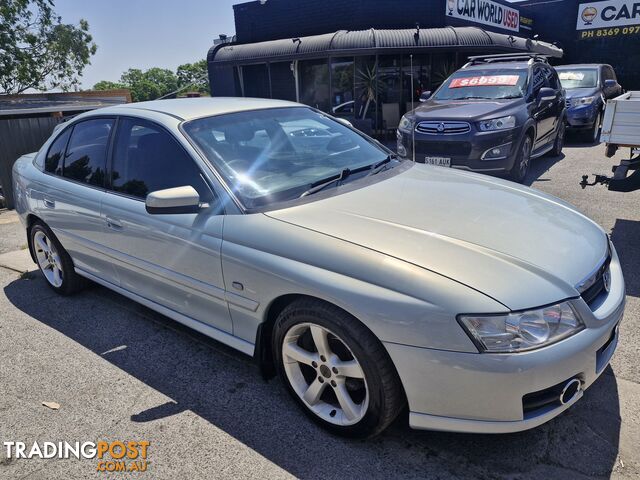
<point x="325" y="374"/>
<point x="525" y="158"/>
<point x="48" y="258"/>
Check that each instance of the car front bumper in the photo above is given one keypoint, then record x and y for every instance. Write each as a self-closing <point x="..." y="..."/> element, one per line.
<point x="466" y="150"/>
<point x="486" y="393"/>
<point x="582" y="116"/>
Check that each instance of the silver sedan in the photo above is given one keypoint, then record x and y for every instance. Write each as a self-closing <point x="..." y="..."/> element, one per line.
<point x="367" y="282"/>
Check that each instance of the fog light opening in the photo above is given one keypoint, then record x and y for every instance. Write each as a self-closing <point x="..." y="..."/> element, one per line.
<point x="570" y="391"/>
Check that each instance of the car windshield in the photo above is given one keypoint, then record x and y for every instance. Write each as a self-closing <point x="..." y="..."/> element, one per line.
<point x="584" y="78"/>
<point x="489" y="84"/>
<point x="278" y="154"/>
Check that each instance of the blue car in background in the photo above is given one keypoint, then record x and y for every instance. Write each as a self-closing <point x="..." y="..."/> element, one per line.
<point x="588" y="87"/>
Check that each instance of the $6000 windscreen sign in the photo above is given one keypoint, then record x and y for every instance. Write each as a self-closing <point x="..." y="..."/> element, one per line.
<point x="485" y="12"/>
<point x="613" y="13"/>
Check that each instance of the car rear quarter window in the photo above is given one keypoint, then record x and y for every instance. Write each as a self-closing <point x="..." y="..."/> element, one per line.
<point x="147" y="158"/>
<point x="53" y="161"/>
<point x="86" y="157"/>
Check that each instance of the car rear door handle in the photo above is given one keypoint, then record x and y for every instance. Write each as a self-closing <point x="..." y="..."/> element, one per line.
<point x="114" y="224"/>
<point x="49" y="203"/>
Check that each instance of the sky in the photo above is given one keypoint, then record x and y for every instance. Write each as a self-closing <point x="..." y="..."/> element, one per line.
<point x="150" y="33"/>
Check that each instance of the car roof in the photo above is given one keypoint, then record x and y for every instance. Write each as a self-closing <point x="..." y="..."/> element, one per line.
<point x="190" y="108"/>
<point x="581" y="65"/>
<point x="498" y="66"/>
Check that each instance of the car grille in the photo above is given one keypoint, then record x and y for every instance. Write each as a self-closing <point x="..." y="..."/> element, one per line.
<point x="594" y="285"/>
<point x="443" y="148"/>
<point x="567" y="102"/>
<point x="443" y="128"/>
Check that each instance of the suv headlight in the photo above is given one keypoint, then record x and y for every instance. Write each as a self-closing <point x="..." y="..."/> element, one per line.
<point x="405" y="124"/>
<point x="576" y="102"/>
<point x="498" y="123"/>
<point x="521" y="331"/>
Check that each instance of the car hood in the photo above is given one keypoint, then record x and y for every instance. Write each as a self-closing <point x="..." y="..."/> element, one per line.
<point x="517" y="245"/>
<point x="581" y="92"/>
<point x="463" y="110"/>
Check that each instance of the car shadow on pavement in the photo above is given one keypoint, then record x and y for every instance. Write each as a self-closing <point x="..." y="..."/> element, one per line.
<point x="625" y="235"/>
<point x="539" y="167"/>
<point x="225" y="388"/>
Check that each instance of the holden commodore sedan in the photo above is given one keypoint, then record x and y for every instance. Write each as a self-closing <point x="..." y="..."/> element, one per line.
<point x="367" y="282"/>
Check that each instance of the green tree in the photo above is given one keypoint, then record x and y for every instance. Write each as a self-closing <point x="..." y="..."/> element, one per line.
<point x="194" y="74"/>
<point x="149" y="85"/>
<point x="37" y="50"/>
<point x="108" y="85"/>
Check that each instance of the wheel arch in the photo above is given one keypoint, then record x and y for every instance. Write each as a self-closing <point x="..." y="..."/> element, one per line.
<point x="31" y="220"/>
<point x="263" y="353"/>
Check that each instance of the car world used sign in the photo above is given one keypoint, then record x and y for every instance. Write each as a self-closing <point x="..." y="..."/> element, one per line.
<point x="609" y="14"/>
<point x="485" y="12"/>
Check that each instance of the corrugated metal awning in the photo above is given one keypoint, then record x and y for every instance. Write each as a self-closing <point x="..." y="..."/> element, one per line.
<point x="377" y="41"/>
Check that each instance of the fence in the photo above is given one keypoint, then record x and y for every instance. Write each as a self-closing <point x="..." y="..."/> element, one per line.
<point x="17" y="137"/>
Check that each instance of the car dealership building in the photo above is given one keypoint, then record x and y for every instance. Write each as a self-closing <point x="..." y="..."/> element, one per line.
<point x="369" y="61"/>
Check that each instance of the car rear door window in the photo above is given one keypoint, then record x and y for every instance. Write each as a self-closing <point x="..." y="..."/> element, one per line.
<point x="54" y="160"/>
<point x="147" y="158"/>
<point x="86" y="156"/>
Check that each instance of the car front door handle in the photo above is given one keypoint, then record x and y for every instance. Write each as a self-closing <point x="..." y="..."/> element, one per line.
<point x="113" y="224"/>
<point x="49" y="203"/>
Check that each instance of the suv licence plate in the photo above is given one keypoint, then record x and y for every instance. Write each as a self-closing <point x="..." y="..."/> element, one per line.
<point x="438" y="161"/>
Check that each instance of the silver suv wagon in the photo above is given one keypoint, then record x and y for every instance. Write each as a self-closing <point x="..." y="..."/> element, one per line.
<point x="366" y="281"/>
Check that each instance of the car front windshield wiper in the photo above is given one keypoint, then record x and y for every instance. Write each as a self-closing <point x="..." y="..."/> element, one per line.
<point x="336" y="178"/>
<point x="325" y="182"/>
<point x="382" y="164"/>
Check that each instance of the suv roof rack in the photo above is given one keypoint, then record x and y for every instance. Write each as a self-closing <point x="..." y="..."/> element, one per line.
<point x="507" y="57"/>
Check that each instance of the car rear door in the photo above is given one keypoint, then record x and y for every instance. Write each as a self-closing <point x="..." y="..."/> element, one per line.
<point x="172" y="260"/>
<point x="70" y="196"/>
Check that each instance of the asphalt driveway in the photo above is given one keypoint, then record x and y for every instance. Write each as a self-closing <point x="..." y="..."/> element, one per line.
<point x="122" y="372"/>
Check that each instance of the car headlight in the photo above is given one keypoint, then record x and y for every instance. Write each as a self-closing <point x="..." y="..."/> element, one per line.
<point x="498" y="123"/>
<point x="576" y="102"/>
<point x="405" y="124"/>
<point x="521" y="331"/>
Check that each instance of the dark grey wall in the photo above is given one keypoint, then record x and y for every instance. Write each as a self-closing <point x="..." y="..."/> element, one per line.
<point x="555" y="21"/>
<point x="17" y="137"/>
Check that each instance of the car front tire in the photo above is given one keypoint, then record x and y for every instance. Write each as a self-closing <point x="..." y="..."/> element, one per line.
<point x="53" y="261"/>
<point x="336" y="369"/>
<point x="592" y="135"/>
<point x="523" y="161"/>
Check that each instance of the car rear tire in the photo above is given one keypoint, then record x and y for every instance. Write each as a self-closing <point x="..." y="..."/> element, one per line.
<point x="523" y="161"/>
<point x="53" y="261"/>
<point x="336" y="369"/>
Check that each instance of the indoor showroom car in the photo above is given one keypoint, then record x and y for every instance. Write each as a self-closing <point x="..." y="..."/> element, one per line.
<point x="369" y="283"/>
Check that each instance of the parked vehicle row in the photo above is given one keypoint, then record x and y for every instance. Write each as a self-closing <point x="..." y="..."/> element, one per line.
<point x="366" y="281"/>
<point x="498" y="112"/>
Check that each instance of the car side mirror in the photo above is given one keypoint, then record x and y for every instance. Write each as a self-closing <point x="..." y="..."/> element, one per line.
<point x="546" y="94"/>
<point x="610" y="83"/>
<point x="344" y="121"/>
<point x="173" y="201"/>
<point x="424" y="96"/>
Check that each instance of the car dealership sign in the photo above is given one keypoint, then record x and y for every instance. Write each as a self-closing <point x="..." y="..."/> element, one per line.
<point x="485" y="12"/>
<point x="612" y="13"/>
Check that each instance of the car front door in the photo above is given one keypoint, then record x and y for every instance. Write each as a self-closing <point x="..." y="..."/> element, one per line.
<point x="70" y="198"/>
<point x="544" y="113"/>
<point x="172" y="260"/>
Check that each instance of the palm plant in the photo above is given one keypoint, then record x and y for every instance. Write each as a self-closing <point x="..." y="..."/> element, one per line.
<point x="367" y="83"/>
